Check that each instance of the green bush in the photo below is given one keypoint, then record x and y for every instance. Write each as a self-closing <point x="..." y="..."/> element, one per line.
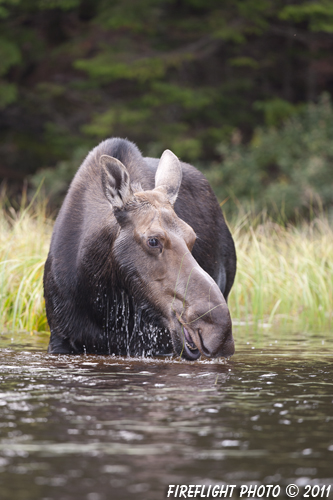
<point x="288" y="169"/>
<point x="55" y="181"/>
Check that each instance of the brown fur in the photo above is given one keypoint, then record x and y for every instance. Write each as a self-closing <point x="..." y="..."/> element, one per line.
<point x="109" y="289"/>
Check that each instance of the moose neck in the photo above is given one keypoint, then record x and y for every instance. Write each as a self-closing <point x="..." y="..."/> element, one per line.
<point x="133" y="330"/>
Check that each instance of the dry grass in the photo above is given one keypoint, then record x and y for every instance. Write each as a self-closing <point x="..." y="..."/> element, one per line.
<point x="24" y="239"/>
<point x="285" y="273"/>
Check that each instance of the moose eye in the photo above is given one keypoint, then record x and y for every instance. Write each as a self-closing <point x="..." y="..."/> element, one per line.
<point x="153" y="242"/>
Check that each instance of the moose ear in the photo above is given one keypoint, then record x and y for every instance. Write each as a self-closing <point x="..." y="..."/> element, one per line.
<point x="115" y="181"/>
<point x="169" y="175"/>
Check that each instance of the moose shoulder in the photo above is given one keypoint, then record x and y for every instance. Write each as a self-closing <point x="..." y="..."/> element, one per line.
<point x="141" y="261"/>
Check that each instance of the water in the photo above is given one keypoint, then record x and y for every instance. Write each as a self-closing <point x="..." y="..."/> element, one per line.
<point x="97" y="427"/>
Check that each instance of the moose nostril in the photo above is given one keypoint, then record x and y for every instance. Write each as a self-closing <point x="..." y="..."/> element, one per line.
<point x="204" y="349"/>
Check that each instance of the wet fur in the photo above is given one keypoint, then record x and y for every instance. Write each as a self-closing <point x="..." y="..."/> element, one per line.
<point x="94" y="306"/>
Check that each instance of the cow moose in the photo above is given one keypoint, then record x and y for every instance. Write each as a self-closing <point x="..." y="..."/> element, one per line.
<point x="141" y="261"/>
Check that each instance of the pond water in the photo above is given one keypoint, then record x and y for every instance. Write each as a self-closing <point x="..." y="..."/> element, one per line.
<point x="100" y="427"/>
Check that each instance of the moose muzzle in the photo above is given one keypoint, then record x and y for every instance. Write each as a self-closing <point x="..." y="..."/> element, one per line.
<point x="206" y="327"/>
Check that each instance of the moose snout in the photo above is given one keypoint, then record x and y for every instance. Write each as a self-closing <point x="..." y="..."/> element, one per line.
<point x="211" y="329"/>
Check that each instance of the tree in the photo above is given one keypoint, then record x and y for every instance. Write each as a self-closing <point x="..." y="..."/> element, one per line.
<point x="178" y="74"/>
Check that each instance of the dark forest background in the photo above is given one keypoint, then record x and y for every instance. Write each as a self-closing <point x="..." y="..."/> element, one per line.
<point x="240" y="88"/>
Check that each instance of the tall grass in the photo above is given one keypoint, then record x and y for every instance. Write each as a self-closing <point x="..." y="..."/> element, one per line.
<point x="284" y="275"/>
<point x="24" y="238"/>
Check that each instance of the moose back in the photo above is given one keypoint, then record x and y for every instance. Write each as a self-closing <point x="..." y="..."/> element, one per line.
<point x="141" y="260"/>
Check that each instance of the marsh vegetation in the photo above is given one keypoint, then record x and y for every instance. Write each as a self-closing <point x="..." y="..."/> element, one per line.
<point x="284" y="276"/>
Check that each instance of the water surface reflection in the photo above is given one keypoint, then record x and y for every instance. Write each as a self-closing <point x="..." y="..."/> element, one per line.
<point x="96" y="428"/>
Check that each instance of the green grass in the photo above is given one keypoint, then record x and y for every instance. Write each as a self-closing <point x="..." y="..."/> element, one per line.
<point x="24" y="239"/>
<point x="284" y="276"/>
<point x="285" y="273"/>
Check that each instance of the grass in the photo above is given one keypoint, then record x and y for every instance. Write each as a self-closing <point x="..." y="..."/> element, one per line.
<point x="24" y="239"/>
<point x="284" y="275"/>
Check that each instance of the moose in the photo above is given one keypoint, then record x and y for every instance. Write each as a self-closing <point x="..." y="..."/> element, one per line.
<point x="141" y="260"/>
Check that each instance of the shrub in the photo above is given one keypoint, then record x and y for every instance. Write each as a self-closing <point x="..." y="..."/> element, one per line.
<point x="288" y="168"/>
